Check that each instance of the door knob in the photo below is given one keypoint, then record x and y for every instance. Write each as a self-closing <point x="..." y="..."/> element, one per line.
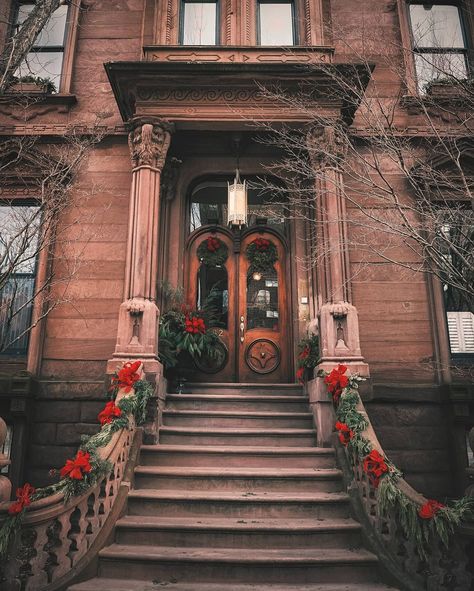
<point x="242" y="328"/>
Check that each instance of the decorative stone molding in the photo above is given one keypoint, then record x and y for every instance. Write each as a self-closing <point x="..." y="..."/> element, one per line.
<point x="149" y="142"/>
<point x="326" y="145"/>
<point x="169" y="178"/>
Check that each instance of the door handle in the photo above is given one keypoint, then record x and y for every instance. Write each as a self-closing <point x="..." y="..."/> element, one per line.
<point x="242" y="328"/>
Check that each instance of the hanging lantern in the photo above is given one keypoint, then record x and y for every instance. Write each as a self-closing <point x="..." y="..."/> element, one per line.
<point x="237" y="202"/>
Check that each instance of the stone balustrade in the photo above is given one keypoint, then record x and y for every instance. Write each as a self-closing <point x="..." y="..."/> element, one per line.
<point x="443" y="568"/>
<point x="57" y="538"/>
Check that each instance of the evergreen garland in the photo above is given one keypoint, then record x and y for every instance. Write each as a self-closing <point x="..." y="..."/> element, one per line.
<point x="212" y="252"/>
<point x="133" y="405"/>
<point x="392" y="500"/>
<point x="262" y="254"/>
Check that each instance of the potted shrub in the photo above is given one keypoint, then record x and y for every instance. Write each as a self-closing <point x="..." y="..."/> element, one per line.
<point x="32" y="85"/>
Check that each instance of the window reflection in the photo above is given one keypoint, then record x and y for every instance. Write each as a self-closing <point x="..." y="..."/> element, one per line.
<point x="199" y="23"/>
<point x="213" y="293"/>
<point x="262" y="300"/>
<point x="209" y="206"/>
<point x="276" y="23"/>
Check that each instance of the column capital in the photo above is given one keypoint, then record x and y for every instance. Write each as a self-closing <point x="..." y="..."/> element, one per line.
<point x="149" y="139"/>
<point x="326" y="145"/>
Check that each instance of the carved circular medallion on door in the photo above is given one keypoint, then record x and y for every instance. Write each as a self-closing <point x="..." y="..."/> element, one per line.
<point x="262" y="356"/>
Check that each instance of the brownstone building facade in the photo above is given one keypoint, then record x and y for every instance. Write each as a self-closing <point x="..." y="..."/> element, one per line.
<point x="179" y="82"/>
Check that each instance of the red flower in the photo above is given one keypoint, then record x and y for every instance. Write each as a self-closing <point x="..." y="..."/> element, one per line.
<point x="304" y="353"/>
<point x="213" y="244"/>
<point x="375" y="467"/>
<point x="262" y="243"/>
<point x="336" y="382"/>
<point x="345" y="434"/>
<point x="109" y="413"/>
<point x="429" y="509"/>
<point x="23" y="499"/>
<point x="300" y="374"/>
<point x="194" y="325"/>
<point x="127" y="376"/>
<point x="77" y="467"/>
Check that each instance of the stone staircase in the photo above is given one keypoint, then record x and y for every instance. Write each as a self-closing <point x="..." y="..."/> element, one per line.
<point x="237" y="497"/>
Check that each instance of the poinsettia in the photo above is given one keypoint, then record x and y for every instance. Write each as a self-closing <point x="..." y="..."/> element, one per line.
<point x="429" y="509"/>
<point x="304" y="353"/>
<point x="345" y="433"/>
<point x="109" y="412"/>
<point x="262" y="243"/>
<point x="23" y="499"/>
<point x="194" y="325"/>
<point x="127" y="376"/>
<point x="213" y="244"/>
<point x="300" y="374"/>
<point x="375" y="467"/>
<point x="336" y="381"/>
<point x="78" y="467"/>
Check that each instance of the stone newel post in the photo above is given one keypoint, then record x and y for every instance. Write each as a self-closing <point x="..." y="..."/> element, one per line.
<point x="137" y="335"/>
<point x="338" y="320"/>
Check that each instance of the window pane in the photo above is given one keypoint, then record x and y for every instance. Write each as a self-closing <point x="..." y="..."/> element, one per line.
<point x="276" y="25"/>
<point x="436" y="25"/>
<point x="199" y="23"/>
<point x="53" y="32"/>
<point x="45" y="64"/>
<point x="213" y="293"/>
<point x="19" y="229"/>
<point x="262" y="300"/>
<point x="436" y="66"/>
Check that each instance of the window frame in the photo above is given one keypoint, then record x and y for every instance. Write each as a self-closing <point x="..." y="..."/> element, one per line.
<point x="182" y="4"/>
<point x="466" y="51"/>
<point x="294" y="21"/>
<point x="69" y="41"/>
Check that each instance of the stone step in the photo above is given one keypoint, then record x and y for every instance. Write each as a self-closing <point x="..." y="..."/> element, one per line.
<point x="230" y="389"/>
<point x="240" y="403"/>
<point x="239" y="419"/>
<point x="246" y="505"/>
<point x="237" y="437"/>
<point x="238" y="533"/>
<point x="251" y="457"/>
<point x="163" y="564"/>
<point x="238" y="479"/>
<point x="103" y="584"/>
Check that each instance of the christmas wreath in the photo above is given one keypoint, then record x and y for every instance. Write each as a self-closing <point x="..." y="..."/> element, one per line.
<point x="261" y="254"/>
<point x="212" y="252"/>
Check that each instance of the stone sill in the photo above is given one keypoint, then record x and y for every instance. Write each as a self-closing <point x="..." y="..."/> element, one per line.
<point x="59" y="99"/>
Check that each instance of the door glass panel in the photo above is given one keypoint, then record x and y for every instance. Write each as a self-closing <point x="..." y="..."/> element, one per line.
<point x="262" y="300"/>
<point x="213" y="294"/>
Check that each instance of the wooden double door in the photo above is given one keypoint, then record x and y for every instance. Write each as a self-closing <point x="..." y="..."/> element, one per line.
<point x="249" y="308"/>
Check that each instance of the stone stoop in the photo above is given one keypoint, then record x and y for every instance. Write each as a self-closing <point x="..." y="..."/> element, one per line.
<point x="237" y="497"/>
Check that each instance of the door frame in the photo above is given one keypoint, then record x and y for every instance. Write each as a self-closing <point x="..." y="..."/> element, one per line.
<point x="235" y="250"/>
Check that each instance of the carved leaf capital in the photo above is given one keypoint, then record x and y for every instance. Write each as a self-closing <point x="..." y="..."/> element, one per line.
<point x="149" y="142"/>
<point x="326" y="145"/>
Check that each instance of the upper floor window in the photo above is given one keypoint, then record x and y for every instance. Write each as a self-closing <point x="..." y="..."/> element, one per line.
<point x="199" y="23"/>
<point x="438" y="42"/>
<point x="276" y="23"/>
<point x="45" y="60"/>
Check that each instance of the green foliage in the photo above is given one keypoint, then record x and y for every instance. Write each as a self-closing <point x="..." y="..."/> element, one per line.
<point x="261" y="260"/>
<point x="212" y="258"/>
<point x="134" y="405"/>
<point x="392" y="501"/>
<point x="308" y="356"/>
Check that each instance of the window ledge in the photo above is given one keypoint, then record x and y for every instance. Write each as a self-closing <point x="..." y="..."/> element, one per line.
<point x="441" y="94"/>
<point x="41" y="97"/>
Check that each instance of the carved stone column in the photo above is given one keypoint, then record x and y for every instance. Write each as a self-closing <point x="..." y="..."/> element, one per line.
<point x="137" y="335"/>
<point x="338" y="320"/>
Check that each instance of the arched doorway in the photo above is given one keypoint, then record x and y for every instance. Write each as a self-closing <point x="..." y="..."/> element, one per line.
<point x="250" y="300"/>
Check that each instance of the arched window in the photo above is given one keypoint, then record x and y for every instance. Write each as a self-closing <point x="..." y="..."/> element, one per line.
<point x="209" y="206"/>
